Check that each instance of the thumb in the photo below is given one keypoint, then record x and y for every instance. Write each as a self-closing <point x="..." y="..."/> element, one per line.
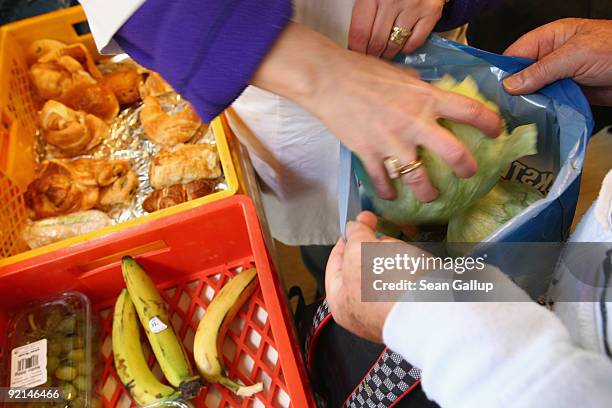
<point x="552" y="67"/>
<point x="333" y="276"/>
<point x="359" y="232"/>
<point x="368" y="218"/>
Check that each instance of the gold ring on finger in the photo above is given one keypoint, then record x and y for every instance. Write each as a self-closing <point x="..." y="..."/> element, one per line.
<point x="410" y="167"/>
<point x="399" y="35"/>
<point x="395" y="169"/>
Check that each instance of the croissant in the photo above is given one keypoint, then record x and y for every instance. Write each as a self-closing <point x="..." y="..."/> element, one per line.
<point x="55" y="192"/>
<point x="115" y="179"/>
<point x="52" y="80"/>
<point x="73" y="132"/>
<point x="177" y="194"/>
<point x="101" y="173"/>
<point x="119" y="191"/>
<point x="92" y="98"/>
<point x="47" y="50"/>
<point x="41" y="48"/>
<point x="154" y="85"/>
<point x="125" y="85"/>
<point x="65" y="186"/>
<point x="183" y="164"/>
<point x="167" y="129"/>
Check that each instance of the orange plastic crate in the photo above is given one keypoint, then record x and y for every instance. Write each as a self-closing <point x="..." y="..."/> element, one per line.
<point x="190" y="255"/>
<point x="18" y="122"/>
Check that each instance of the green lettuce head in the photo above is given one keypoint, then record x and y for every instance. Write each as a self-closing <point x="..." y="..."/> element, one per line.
<point x="494" y="156"/>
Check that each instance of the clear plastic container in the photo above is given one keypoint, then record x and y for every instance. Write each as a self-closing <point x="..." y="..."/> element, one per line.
<point x="49" y="344"/>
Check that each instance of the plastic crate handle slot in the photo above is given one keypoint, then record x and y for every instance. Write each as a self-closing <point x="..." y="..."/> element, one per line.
<point x="5" y="134"/>
<point x="152" y="248"/>
<point x="81" y="28"/>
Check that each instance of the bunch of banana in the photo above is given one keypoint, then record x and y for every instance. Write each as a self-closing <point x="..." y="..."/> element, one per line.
<point x="142" y="296"/>
<point x="130" y="361"/>
<point x="213" y="327"/>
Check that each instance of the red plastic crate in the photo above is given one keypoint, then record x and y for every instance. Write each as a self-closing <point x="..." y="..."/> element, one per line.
<point x="190" y="256"/>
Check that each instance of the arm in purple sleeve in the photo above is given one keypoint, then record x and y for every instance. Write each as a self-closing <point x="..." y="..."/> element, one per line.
<point x="458" y="12"/>
<point x="207" y="50"/>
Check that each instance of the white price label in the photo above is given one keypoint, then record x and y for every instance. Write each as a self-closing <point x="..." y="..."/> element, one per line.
<point x="156" y="325"/>
<point x="29" y="365"/>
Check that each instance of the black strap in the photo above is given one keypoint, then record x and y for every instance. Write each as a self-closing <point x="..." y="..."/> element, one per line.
<point x="385" y="383"/>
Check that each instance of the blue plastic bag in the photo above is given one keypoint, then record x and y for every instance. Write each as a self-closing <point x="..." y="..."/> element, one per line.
<point x="564" y="122"/>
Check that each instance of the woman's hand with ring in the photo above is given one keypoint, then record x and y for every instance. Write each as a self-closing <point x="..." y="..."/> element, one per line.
<point x="374" y="22"/>
<point x="375" y="108"/>
<point x="379" y="110"/>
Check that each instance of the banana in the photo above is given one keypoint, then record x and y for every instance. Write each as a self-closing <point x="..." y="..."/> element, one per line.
<point x="213" y="326"/>
<point x="165" y="343"/>
<point x="130" y="361"/>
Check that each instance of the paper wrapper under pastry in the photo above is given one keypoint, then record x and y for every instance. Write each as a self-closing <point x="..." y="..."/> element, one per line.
<point x="49" y="230"/>
<point x="177" y="194"/>
<point x="183" y="164"/>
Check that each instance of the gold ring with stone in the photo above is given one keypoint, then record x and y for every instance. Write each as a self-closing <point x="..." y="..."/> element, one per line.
<point x="395" y="169"/>
<point x="399" y="35"/>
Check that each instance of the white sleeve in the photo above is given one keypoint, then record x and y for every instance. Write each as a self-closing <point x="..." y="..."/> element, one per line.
<point x="105" y="18"/>
<point x="512" y="354"/>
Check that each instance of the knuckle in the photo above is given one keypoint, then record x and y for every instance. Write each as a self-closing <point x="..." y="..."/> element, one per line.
<point x="473" y="109"/>
<point x="456" y="155"/>
<point x="432" y="7"/>
<point x="396" y="122"/>
<point x="541" y="70"/>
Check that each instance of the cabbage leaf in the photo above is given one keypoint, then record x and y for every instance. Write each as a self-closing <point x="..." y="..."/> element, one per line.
<point x="504" y="202"/>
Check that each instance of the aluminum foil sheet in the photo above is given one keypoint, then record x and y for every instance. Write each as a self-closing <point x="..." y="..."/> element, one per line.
<point x="127" y="141"/>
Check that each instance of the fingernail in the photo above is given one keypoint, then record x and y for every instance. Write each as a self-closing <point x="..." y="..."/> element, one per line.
<point x="514" y="82"/>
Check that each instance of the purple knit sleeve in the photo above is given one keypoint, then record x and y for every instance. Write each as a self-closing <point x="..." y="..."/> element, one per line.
<point x="458" y="12"/>
<point x="207" y="50"/>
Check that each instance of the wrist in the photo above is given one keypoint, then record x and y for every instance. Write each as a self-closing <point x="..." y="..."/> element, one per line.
<point x="300" y="66"/>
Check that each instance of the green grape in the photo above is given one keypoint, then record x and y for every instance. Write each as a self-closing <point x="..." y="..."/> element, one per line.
<point x="83" y="368"/>
<point x="76" y="355"/>
<point x="66" y="373"/>
<point x="68" y="344"/>
<point x="52" y="363"/>
<point x="69" y="391"/>
<point x="68" y="325"/>
<point x="81" y="383"/>
<point x="53" y="319"/>
<point x="79" y="402"/>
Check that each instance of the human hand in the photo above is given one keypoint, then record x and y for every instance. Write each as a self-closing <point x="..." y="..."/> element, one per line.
<point x="376" y="109"/>
<point x="343" y="282"/>
<point x="379" y="110"/>
<point x="570" y="48"/>
<point x="373" y="20"/>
